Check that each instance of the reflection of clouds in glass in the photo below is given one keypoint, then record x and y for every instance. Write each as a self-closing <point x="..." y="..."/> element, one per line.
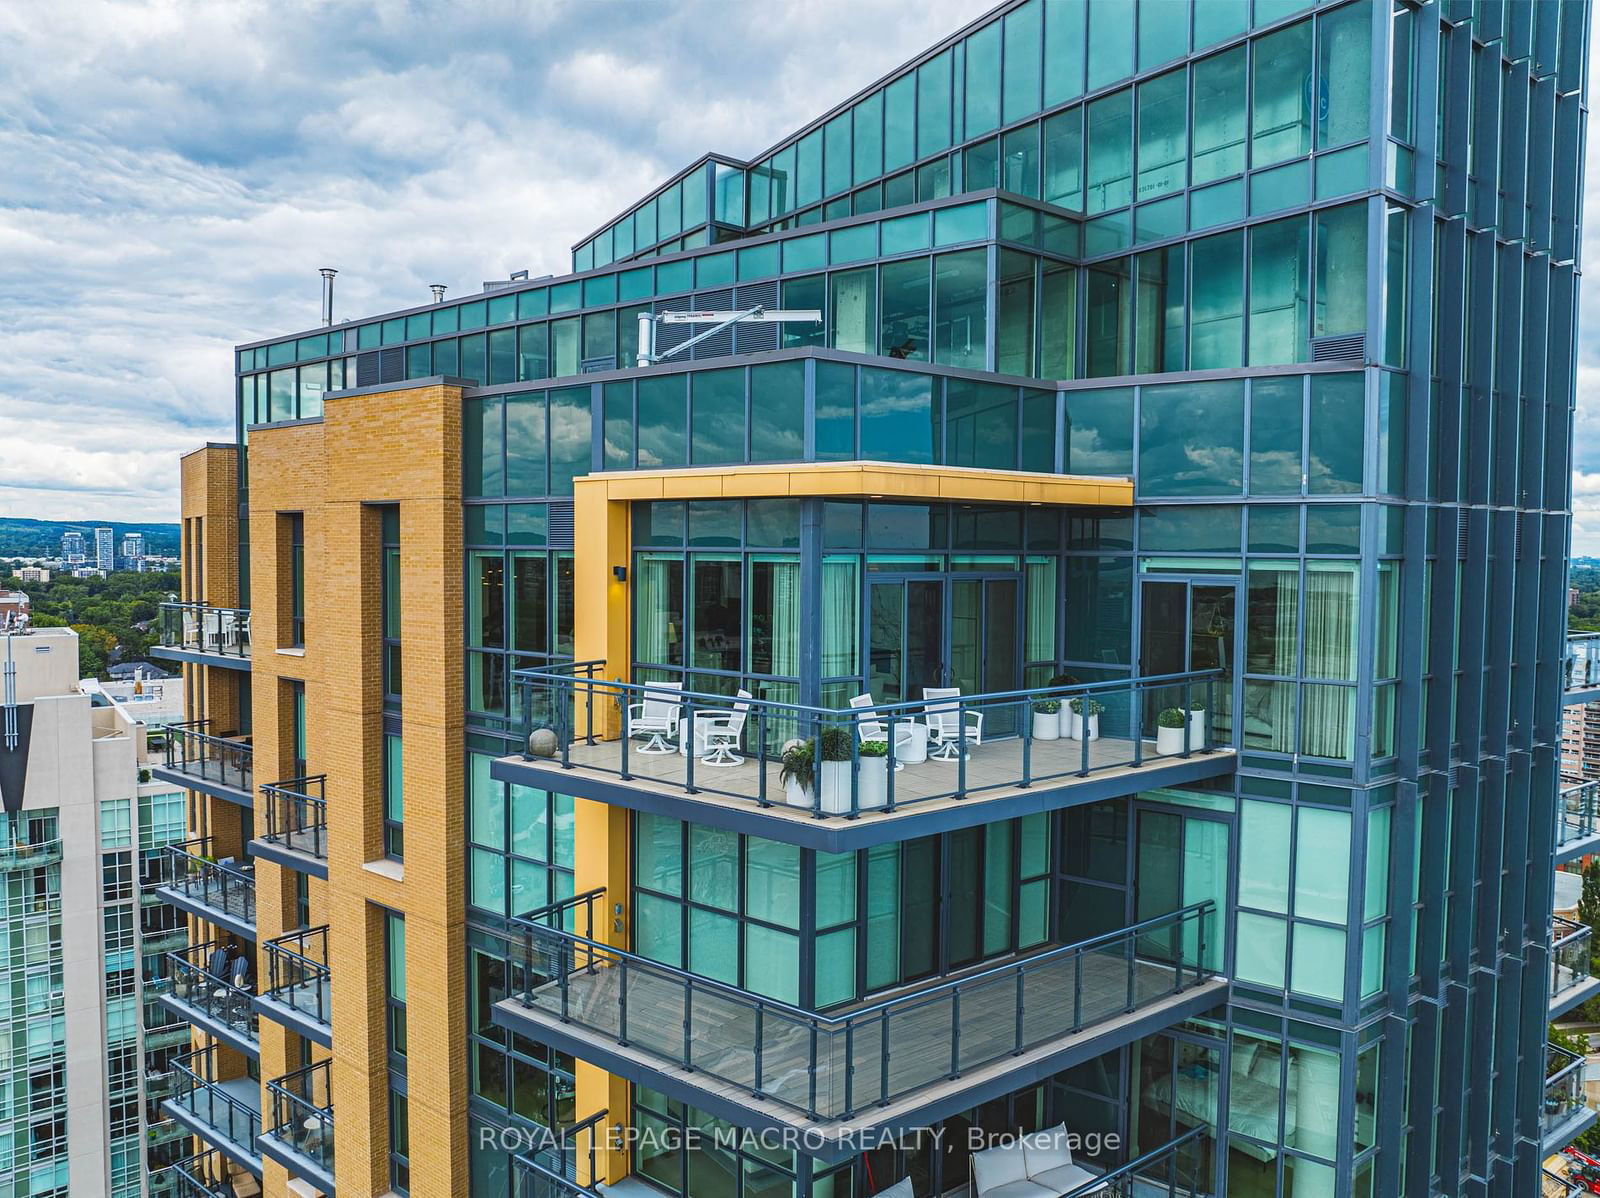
<point x="570" y="430"/>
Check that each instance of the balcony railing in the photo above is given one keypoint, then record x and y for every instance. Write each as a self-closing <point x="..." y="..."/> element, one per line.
<point x="15" y="856"/>
<point x="1578" y="816"/>
<point x="229" y="1108"/>
<point x="831" y="1066"/>
<point x="1175" y="1170"/>
<point x="227" y="887"/>
<point x="1563" y="1087"/>
<point x="220" y="760"/>
<point x="205" y="1175"/>
<point x="208" y="981"/>
<point x="297" y="815"/>
<point x="298" y="975"/>
<point x="932" y="749"/>
<point x="199" y="628"/>
<point x="302" y="1114"/>
<point x="1569" y="955"/>
<point x="554" y="1168"/>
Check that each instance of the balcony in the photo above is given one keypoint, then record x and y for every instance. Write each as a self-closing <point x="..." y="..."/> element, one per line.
<point x="297" y="825"/>
<point x="1580" y="668"/>
<point x="215" y="765"/>
<point x="563" y="1167"/>
<point x="18" y="856"/>
<point x="219" y="892"/>
<point x="165" y="1131"/>
<point x="205" y="1175"/>
<point x="1566" y="1115"/>
<point x="301" y="1137"/>
<point x="211" y="990"/>
<point x="927" y="1051"/>
<point x="1578" y="822"/>
<point x="224" y="1112"/>
<point x="1572" y="980"/>
<point x="203" y="635"/>
<point x="952" y="763"/>
<point x="298" y="994"/>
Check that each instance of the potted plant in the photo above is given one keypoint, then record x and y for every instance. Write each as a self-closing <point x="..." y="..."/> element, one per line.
<point x="1085" y="722"/>
<point x="144" y="776"/>
<point x="797" y="772"/>
<point x="1197" y="723"/>
<point x="1047" y="719"/>
<point x="874" y="775"/>
<point x="835" y="773"/>
<point x="1170" y="725"/>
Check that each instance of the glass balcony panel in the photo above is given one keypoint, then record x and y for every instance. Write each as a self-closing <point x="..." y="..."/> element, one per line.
<point x="297" y="815"/>
<point x="201" y="628"/>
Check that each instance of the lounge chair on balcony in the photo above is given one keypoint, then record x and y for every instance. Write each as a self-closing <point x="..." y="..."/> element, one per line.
<point x="657" y="716"/>
<point x="949" y="726"/>
<point x="722" y="732"/>
<point x="870" y="726"/>
<point x="900" y="1189"/>
<point x="1034" y="1166"/>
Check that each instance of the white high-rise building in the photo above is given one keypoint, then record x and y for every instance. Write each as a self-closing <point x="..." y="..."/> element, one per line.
<point x="105" y="556"/>
<point x="73" y="548"/>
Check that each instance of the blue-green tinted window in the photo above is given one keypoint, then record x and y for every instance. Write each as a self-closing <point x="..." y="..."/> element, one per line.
<point x="1019" y="161"/>
<point x="636" y="284"/>
<point x="714" y="270"/>
<point x="525" y="444"/>
<point x="1191" y="439"/>
<point x="564" y="297"/>
<point x="617" y="409"/>
<point x="1276" y="427"/>
<point x="758" y="262"/>
<point x="1218" y="20"/>
<point x="672" y="277"/>
<point x="419" y="325"/>
<point x="898" y="417"/>
<point x="966" y="222"/>
<point x="980" y="425"/>
<point x="1063" y="50"/>
<point x="1189" y="528"/>
<point x="730" y="196"/>
<point x="905" y="304"/>
<point x="570" y="437"/>
<point x="599" y="291"/>
<point x="1279" y="287"/>
<point x="960" y="298"/>
<point x="1163" y="32"/>
<point x="1280" y="125"/>
<point x="368" y="336"/>
<point x="836" y="155"/>
<point x="1063" y="159"/>
<point x="502" y="356"/>
<point x="904" y="234"/>
<point x="1100" y="431"/>
<point x="1344" y="57"/>
<point x="983" y="80"/>
<point x="1337" y="422"/>
<point x="1341" y="270"/>
<point x="853" y="310"/>
<point x="868" y="138"/>
<point x="1163" y="135"/>
<point x="1110" y="42"/>
<point x="777" y="412"/>
<point x="696" y="196"/>
<point x="981" y="165"/>
<point x="473" y="316"/>
<point x="533" y="352"/>
<point x="1110" y="174"/>
<point x="1024" y="31"/>
<point x="1216" y="302"/>
<point x="933" y="105"/>
<point x="394" y="332"/>
<point x="663" y="420"/>
<point x="836" y="411"/>
<point x="900" y="123"/>
<point x="669" y="211"/>
<point x="852" y="245"/>
<point x="1219" y="116"/>
<point x="717" y="417"/>
<point x="446" y="320"/>
<point x="808" y="169"/>
<point x="317" y="347"/>
<point x="501" y="309"/>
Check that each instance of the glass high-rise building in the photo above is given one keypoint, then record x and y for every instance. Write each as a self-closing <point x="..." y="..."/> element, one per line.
<point x="1098" y="662"/>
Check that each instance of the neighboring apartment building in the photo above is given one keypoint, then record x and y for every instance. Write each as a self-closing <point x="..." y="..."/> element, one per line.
<point x="105" y="557"/>
<point x="33" y="574"/>
<point x="1580" y="742"/>
<point x="73" y="547"/>
<point x="1196" y="378"/>
<point x="79" y="802"/>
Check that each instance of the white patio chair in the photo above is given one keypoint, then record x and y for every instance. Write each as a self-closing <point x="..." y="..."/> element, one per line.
<point x="871" y="727"/>
<point x="191" y="630"/>
<point x="227" y="630"/>
<point x="722" y="731"/>
<point x="657" y="716"/>
<point x="948" y="725"/>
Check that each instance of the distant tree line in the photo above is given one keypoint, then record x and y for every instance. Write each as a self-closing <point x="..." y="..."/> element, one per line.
<point x="117" y="617"/>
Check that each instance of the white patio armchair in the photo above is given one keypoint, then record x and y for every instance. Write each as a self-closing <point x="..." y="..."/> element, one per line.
<point x="191" y="630"/>
<point x="870" y="726"/>
<point x="722" y="732"/>
<point x="657" y="716"/>
<point x="949" y="726"/>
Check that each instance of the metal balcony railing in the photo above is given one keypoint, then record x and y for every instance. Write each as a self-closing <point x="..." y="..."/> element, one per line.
<point x="16" y="855"/>
<point x="229" y="1107"/>
<point x="833" y="1065"/>
<point x="1569" y="955"/>
<point x="1563" y="1086"/>
<point x="221" y="760"/>
<point x="200" y="628"/>
<point x="204" y="1175"/>
<point x="209" y="981"/>
<point x="297" y="815"/>
<point x="298" y="975"/>
<point x="1175" y="1170"/>
<point x="226" y="886"/>
<point x="565" y="1166"/>
<point x="930" y="749"/>
<point x="302" y="1113"/>
<point x="1578" y="814"/>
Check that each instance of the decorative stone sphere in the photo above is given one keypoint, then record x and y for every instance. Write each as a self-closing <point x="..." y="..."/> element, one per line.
<point x="542" y="743"/>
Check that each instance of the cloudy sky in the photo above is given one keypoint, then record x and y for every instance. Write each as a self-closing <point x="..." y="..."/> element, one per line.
<point x="173" y="173"/>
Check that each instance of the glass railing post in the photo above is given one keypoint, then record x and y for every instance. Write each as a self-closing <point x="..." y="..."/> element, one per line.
<point x="688" y="1026"/>
<point x="627" y="732"/>
<point x="849" y="1070"/>
<point x="1084" y="716"/>
<point x="1022" y="975"/>
<point x="1136" y="722"/>
<point x="689" y="745"/>
<point x="961" y="748"/>
<point x="811" y="1074"/>
<point x="760" y="1019"/>
<point x="1025" y="722"/>
<point x="622" y="1002"/>
<point x="1208" y="725"/>
<point x="883" y="1058"/>
<point x="855" y="773"/>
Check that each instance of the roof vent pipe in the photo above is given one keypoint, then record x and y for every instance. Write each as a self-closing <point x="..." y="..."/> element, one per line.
<point x="327" y="294"/>
<point x="438" y="292"/>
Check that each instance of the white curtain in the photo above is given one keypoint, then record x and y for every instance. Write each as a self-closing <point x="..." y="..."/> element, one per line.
<point x="1041" y="628"/>
<point x="1328" y="713"/>
<point x="786" y="618"/>
<point x="656" y="637"/>
<point x="1273" y="634"/>
<point x="841" y="617"/>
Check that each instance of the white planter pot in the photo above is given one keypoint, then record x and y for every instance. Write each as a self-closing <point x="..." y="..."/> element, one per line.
<point x="1169" y="741"/>
<point x="796" y="795"/>
<point x="1197" y="729"/>
<point x="835" y="787"/>
<point x="874" y="784"/>
<point x="1075" y="726"/>
<point x="1047" y="725"/>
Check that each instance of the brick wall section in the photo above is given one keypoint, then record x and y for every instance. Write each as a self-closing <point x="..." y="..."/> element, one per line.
<point x="399" y="447"/>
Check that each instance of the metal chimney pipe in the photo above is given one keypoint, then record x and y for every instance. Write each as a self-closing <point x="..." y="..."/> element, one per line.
<point x="438" y="292"/>
<point x="327" y="294"/>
